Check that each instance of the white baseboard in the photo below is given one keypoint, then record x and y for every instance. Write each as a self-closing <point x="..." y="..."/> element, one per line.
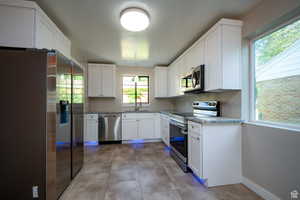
<point x="265" y="194"/>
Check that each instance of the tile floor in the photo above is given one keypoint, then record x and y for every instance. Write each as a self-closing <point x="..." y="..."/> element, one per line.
<point x="142" y="172"/>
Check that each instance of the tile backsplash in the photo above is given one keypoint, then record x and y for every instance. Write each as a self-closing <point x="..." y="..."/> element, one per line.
<point x="230" y="102"/>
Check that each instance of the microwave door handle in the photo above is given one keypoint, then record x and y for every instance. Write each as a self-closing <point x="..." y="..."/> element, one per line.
<point x="184" y="132"/>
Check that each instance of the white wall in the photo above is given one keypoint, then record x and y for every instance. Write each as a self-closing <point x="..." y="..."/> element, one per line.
<point x="115" y="104"/>
<point x="271" y="159"/>
<point x="270" y="156"/>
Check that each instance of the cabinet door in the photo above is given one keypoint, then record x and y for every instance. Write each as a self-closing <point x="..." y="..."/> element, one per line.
<point x="161" y="82"/>
<point x="170" y="81"/>
<point x="17" y="26"/>
<point x="92" y="130"/>
<point x="181" y="66"/>
<point x="94" y="81"/>
<point x="189" y="60"/>
<point x="198" y="54"/>
<point x="45" y="36"/>
<point x="157" y="126"/>
<point x="195" y="154"/>
<point x="177" y="77"/>
<point x="213" y="70"/>
<point x="108" y="81"/>
<point x="165" y="131"/>
<point x="130" y="129"/>
<point x="146" y="128"/>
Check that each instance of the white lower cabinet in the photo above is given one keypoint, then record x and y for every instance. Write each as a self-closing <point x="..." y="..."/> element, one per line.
<point x="146" y="128"/>
<point x="139" y="126"/>
<point x="164" y="129"/>
<point x="130" y="129"/>
<point x="195" y="153"/>
<point x="91" y="132"/>
<point x="214" y="152"/>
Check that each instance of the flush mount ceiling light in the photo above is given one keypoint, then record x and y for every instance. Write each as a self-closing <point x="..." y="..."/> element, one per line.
<point x="134" y="19"/>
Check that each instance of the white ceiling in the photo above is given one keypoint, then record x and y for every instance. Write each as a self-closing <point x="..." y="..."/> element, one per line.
<point x="94" y="27"/>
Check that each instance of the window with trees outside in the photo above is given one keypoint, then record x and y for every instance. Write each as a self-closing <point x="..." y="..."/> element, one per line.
<point x="277" y="76"/>
<point x="135" y="89"/>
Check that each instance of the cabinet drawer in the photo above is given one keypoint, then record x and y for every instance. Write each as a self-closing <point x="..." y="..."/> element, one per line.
<point x="194" y="127"/>
<point x="92" y="116"/>
<point x="128" y="116"/>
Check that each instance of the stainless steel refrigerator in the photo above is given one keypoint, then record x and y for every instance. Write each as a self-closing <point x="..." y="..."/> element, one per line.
<point x="41" y="146"/>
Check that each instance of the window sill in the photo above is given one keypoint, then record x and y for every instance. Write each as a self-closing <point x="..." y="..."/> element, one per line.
<point x="274" y="125"/>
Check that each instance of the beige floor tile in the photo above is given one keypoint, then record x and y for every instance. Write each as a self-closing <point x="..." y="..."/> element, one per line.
<point x="124" y="190"/>
<point x="142" y="172"/>
<point x="170" y="195"/>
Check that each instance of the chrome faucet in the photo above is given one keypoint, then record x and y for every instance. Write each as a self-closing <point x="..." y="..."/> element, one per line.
<point x="136" y="107"/>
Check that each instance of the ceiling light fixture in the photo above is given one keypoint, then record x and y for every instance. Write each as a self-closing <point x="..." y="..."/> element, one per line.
<point x="134" y="19"/>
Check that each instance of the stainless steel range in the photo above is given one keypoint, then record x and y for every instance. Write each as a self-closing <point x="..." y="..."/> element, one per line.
<point x="179" y="130"/>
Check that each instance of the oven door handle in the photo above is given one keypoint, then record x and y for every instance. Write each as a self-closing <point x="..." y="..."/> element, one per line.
<point x="176" y="124"/>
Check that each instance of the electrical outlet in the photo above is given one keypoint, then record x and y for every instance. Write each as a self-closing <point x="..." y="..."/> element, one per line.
<point x="35" y="191"/>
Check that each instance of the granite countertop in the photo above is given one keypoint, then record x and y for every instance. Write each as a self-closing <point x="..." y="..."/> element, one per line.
<point x="142" y="111"/>
<point x="166" y="112"/>
<point x="205" y="120"/>
<point x="202" y="120"/>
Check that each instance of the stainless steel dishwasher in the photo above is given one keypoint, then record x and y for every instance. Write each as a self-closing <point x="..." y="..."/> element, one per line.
<point x="110" y="128"/>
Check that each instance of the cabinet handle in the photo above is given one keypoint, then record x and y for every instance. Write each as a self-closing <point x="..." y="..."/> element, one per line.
<point x="197" y="138"/>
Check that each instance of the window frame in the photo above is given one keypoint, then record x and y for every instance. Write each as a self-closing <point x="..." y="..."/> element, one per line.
<point x="133" y="104"/>
<point x="252" y="82"/>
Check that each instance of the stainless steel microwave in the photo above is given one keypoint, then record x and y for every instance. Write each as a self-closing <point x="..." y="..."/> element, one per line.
<point x="194" y="82"/>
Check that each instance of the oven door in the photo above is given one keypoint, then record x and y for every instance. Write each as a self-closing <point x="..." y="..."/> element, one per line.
<point x="178" y="139"/>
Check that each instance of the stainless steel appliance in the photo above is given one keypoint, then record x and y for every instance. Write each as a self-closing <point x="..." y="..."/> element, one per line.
<point x="110" y="128"/>
<point x="206" y="109"/>
<point x="194" y="82"/>
<point x="179" y="138"/>
<point x="179" y="129"/>
<point x="77" y="119"/>
<point x="40" y="115"/>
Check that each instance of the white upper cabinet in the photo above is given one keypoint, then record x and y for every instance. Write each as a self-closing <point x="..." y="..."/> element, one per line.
<point x="181" y="66"/>
<point x="197" y="54"/>
<point x="219" y="50"/>
<point x="223" y="56"/>
<point x="94" y="80"/>
<point x="161" y="82"/>
<point x="213" y="61"/>
<point x="171" y="88"/>
<point x="24" y="24"/>
<point x="101" y="80"/>
<point x="17" y="26"/>
<point x="108" y="80"/>
<point x="174" y="77"/>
